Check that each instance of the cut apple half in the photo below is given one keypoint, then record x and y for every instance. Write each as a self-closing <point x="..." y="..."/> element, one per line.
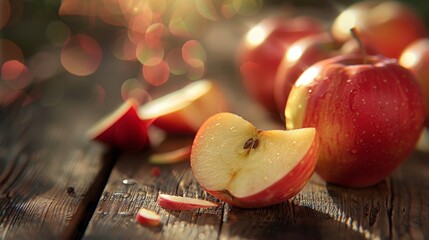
<point x="122" y="128"/>
<point x="147" y="217"/>
<point x="184" y="110"/>
<point x="171" y="202"/>
<point x="234" y="161"/>
<point x="175" y="156"/>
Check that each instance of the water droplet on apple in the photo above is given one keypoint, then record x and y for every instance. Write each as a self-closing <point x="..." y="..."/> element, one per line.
<point x="354" y="151"/>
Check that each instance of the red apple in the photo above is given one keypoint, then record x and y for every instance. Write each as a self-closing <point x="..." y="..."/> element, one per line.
<point x="389" y="26"/>
<point x="264" y="47"/>
<point x="122" y="128"/>
<point x="171" y="202"/>
<point x="147" y="217"/>
<point x="301" y="55"/>
<point x="368" y="115"/>
<point x="416" y="59"/>
<point x="184" y="110"/>
<point x="235" y="162"/>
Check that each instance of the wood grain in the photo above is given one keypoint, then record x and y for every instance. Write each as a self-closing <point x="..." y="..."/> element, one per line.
<point x="42" y="154"/>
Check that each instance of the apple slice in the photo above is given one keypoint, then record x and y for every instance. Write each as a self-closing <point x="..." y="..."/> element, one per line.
<point x="147" y="217"/>
<point x="184" y="110"/>
<point x="171" y="202"/>
<point x="234" y="161"/>
<point x="122" y="129"/>
<point x="175" y="156"/>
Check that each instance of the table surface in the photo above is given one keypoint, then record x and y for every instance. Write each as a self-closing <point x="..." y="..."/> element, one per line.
<point x="57" y="184"/>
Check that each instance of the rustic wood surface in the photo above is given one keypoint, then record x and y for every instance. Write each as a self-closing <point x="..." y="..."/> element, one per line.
<point x="56" y="184"/>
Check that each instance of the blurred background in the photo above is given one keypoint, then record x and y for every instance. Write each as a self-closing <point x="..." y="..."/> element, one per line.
<point x="93" y="50"/>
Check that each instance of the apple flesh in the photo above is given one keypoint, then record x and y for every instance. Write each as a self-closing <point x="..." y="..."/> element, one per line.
<point x="175" y="156"/>
<point x="388" y="26"/>
<point x="235" y="162"/>
<point x="416" y="59"/>
<point x="262" y="50"/>
<point x="147" y="217"/>
<point x="184" y="110"/>
<point x="171" y="202"/>
<point x="122" y="128"/>
<point x="368" y="115"/>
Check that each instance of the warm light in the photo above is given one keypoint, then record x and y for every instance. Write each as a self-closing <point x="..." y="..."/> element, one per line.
<point x="256" y="35"/>
<point x="409" y="59"/>
<point x="307" y="76"/>
<point x="345" y="21"/>
<point x="294" y="53"/>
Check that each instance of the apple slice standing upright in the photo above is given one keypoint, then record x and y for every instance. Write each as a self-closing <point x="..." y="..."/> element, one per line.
<point x="235" y="162"/>
<point x="184" y="110"/>
<point x="122" y="128"/>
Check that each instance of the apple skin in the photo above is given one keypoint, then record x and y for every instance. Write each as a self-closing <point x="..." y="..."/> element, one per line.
<point x="122" y="129"/>
<point x="368" y="116"/>
<point x="187" y="120"/>
<point x="389" y="26"/>
<point x="258" y="60"/>
<point x="281" y="190"/>
<point x="416" y="59"/>
<point x="299" y="56"/>
<point x="302" y="54"/>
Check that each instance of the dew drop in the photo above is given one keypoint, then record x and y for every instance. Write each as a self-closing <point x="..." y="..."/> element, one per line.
<point x="129" y="181"/>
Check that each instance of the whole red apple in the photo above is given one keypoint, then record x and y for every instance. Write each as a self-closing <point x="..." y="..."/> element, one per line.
<point x="416" y="58"/>
<point x="368" y="112"/>
<point x="264" y="47"/>
<point x="389" y="26"/>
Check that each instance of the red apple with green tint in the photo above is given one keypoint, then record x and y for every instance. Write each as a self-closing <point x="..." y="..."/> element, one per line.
<point x="235" y="162"/>
<point x="263" y="49"/>
<point x="368" y="112"/>
<point x="416" y="59"/>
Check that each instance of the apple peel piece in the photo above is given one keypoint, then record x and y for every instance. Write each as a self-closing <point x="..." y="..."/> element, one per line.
<point x="184" y="110"/>
<point x="122" y="128"/>
<point x="147" y="217"/>
<point x="175" y="156"/>
<point x="234" y="161"/>
<point x="171" y="202"/>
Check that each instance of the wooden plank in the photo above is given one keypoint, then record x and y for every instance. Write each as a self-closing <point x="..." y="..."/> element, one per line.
<point x="47" y="168"/>
<point x="410" y="194"/>
<point x="115" y="213"/>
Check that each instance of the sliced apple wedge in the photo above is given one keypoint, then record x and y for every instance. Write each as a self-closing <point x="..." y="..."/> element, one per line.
<point x="122" y="129"/>
<point x="235" y="162"/>
<point x="175" y="156"/>
<point x="171" y="202"/>
<point x="147" y="217"/>
<point x="184" y="110"/>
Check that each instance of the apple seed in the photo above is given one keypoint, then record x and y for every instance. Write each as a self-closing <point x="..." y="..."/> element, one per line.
<point x="248" y="143"/>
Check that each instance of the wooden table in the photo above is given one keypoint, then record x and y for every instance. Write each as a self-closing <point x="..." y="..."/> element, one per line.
<point x="56" y="184"/>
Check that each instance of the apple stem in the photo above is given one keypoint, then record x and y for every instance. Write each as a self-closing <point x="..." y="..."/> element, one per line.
<point x="356" y="36"/>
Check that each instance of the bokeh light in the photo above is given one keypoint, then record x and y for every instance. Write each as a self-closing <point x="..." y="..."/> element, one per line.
<point x="44" y="65"/>
<point x="81" y="55"/>
<point x="175" y="61"/>
<point x="133" y="88"/>
<point x="149" y="56"/>
<point x="57" y="32"/>
<point x="156" y="75"/>
<point x="4" y="12"/>
<point x="10" y="51"/>
<point x="123" y="48"/>
<point x="15" y="74"/>
<point x="193" y="53"/>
